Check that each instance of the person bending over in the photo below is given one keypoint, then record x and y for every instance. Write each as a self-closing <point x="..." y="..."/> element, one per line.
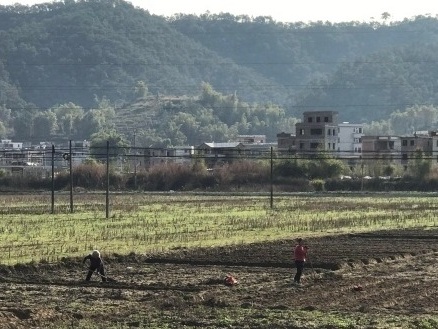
<point x="96" y="264"/>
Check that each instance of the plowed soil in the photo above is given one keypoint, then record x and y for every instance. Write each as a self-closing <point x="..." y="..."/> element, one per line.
<point x="368" y="276"/>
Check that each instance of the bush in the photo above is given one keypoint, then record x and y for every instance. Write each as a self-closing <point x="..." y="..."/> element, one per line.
<point x="90" y="176"/>
<point x="318" y="184"/>
<point x="169" y="176"/>
<point x="240" y="173"/>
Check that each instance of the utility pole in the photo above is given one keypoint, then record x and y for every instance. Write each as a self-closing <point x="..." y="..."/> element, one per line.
<point x="70" y="159"/>
<point x="135" y="165"/>
<point x="272" y="178"/>
<point x="53" y="179"/>
<point x="107" y="181"/>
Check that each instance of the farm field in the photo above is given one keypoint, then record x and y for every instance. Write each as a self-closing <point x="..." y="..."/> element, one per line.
<point x="185" y="289"/>
<point x="182" y="286"/>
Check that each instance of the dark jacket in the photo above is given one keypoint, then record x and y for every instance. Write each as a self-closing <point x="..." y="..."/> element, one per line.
<point x="94" y="262"/>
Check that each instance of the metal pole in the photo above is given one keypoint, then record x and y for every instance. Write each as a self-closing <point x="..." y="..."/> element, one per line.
<point x="53" y="179"/>
<point x="107" y="180"/>
<point x="135" y="165"/>
<point x="272" y="178"/>
<point x="70" y="158"/>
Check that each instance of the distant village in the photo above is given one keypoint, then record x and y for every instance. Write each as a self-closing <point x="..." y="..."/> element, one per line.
<point x="318" y="132"/>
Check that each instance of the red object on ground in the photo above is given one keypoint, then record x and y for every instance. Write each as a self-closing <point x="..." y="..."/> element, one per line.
<point x="230" y="280"/>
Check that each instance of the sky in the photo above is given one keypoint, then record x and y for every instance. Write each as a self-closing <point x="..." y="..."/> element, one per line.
<point x="287" y="10"/>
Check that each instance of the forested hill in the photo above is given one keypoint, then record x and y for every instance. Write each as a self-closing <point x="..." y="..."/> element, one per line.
<point x="72" y="51"/>
<point x="363" y="70"/>
<point x="190" y="78"/>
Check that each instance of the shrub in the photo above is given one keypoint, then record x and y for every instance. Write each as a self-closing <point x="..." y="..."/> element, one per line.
<point x="243" y="172"/>
<point x="318" y="184"/>
<point x="168" y="176"/>
<point x="290" y="168"/>
<point x="90" y="175"/>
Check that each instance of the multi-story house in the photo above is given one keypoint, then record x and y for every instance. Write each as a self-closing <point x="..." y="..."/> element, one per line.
<point x="423" y="143"/>
<point x="381" y="147"/>
<point x="350" y="139"/>
<point x="317" y="132"/>
<point x="434" y="136"/>
<point x="320" y="131"/>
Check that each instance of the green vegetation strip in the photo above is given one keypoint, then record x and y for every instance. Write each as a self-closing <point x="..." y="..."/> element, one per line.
<point x="145" y="223"/>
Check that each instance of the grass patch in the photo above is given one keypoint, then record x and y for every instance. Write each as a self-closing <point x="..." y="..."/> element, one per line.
<point x="149" y="223"/>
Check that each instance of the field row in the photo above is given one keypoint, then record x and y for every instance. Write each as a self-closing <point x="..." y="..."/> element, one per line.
<point x="147" y="224"/>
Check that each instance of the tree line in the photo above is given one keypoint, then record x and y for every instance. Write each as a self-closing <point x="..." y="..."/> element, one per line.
<point x="257" y="174"/>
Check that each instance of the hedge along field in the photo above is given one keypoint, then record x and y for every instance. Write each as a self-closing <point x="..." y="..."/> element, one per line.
<point x="147" y="223"/>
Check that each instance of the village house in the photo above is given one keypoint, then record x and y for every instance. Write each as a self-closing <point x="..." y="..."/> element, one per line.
<point x="179" y="154"/>
<point x="320" y="132"/>
<point x="422" y="144"/>
<point x="215" y="153"/>
<point x="350" y="139"/>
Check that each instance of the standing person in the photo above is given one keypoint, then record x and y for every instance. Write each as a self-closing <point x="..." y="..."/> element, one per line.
<point x="96" y="263"/>
<point x="300" y="254"/>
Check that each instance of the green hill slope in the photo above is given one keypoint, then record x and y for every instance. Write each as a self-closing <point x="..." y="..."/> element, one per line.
<point x="152" y="70"/>
<point x="75" y="51"/>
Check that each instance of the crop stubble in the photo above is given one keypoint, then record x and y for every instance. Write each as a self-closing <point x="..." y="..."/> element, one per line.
<point x="396" y="269"/>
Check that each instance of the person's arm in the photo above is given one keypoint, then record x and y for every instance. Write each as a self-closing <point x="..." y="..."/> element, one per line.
<point x="86" y="257"/>
<point x="305" y="250"/>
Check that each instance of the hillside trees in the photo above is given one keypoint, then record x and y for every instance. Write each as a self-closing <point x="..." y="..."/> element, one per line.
<point x="23" y="124"/>
<point x="71" y="51"/>
<point x="69" y="118"/>
<point x="44" y="124"/>
<point x="141" y="90"/>
<point x="65" y="121"/>
<point x="99" y="141"/>
<point x="211" y="116"/>
<point x="188" y="125"/>
<point x="376" y="85"/>
<point x="3" y="130"/>
<point x="413" y="119"/>
<point x="5" y="122"/>
<point x="256" y="75"/>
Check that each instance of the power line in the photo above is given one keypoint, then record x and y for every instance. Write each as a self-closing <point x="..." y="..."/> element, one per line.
<point x="205" y="62"/>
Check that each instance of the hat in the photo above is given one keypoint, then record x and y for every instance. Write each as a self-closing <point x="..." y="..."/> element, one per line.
<point x="95" y="254"/>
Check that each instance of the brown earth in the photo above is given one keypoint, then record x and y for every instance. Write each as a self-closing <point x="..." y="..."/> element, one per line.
<point x="397" y="271"/>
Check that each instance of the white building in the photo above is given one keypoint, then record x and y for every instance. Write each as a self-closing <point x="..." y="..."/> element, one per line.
<point x="7" y="144"/>
<point x="350" y="139"/>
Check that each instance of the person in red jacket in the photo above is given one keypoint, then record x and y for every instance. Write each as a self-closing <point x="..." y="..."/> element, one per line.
<point x="96" y="263"/>
<point x="300" y="254"/>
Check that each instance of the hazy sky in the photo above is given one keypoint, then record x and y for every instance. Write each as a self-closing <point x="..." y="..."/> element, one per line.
<point x="287" y="10"/>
